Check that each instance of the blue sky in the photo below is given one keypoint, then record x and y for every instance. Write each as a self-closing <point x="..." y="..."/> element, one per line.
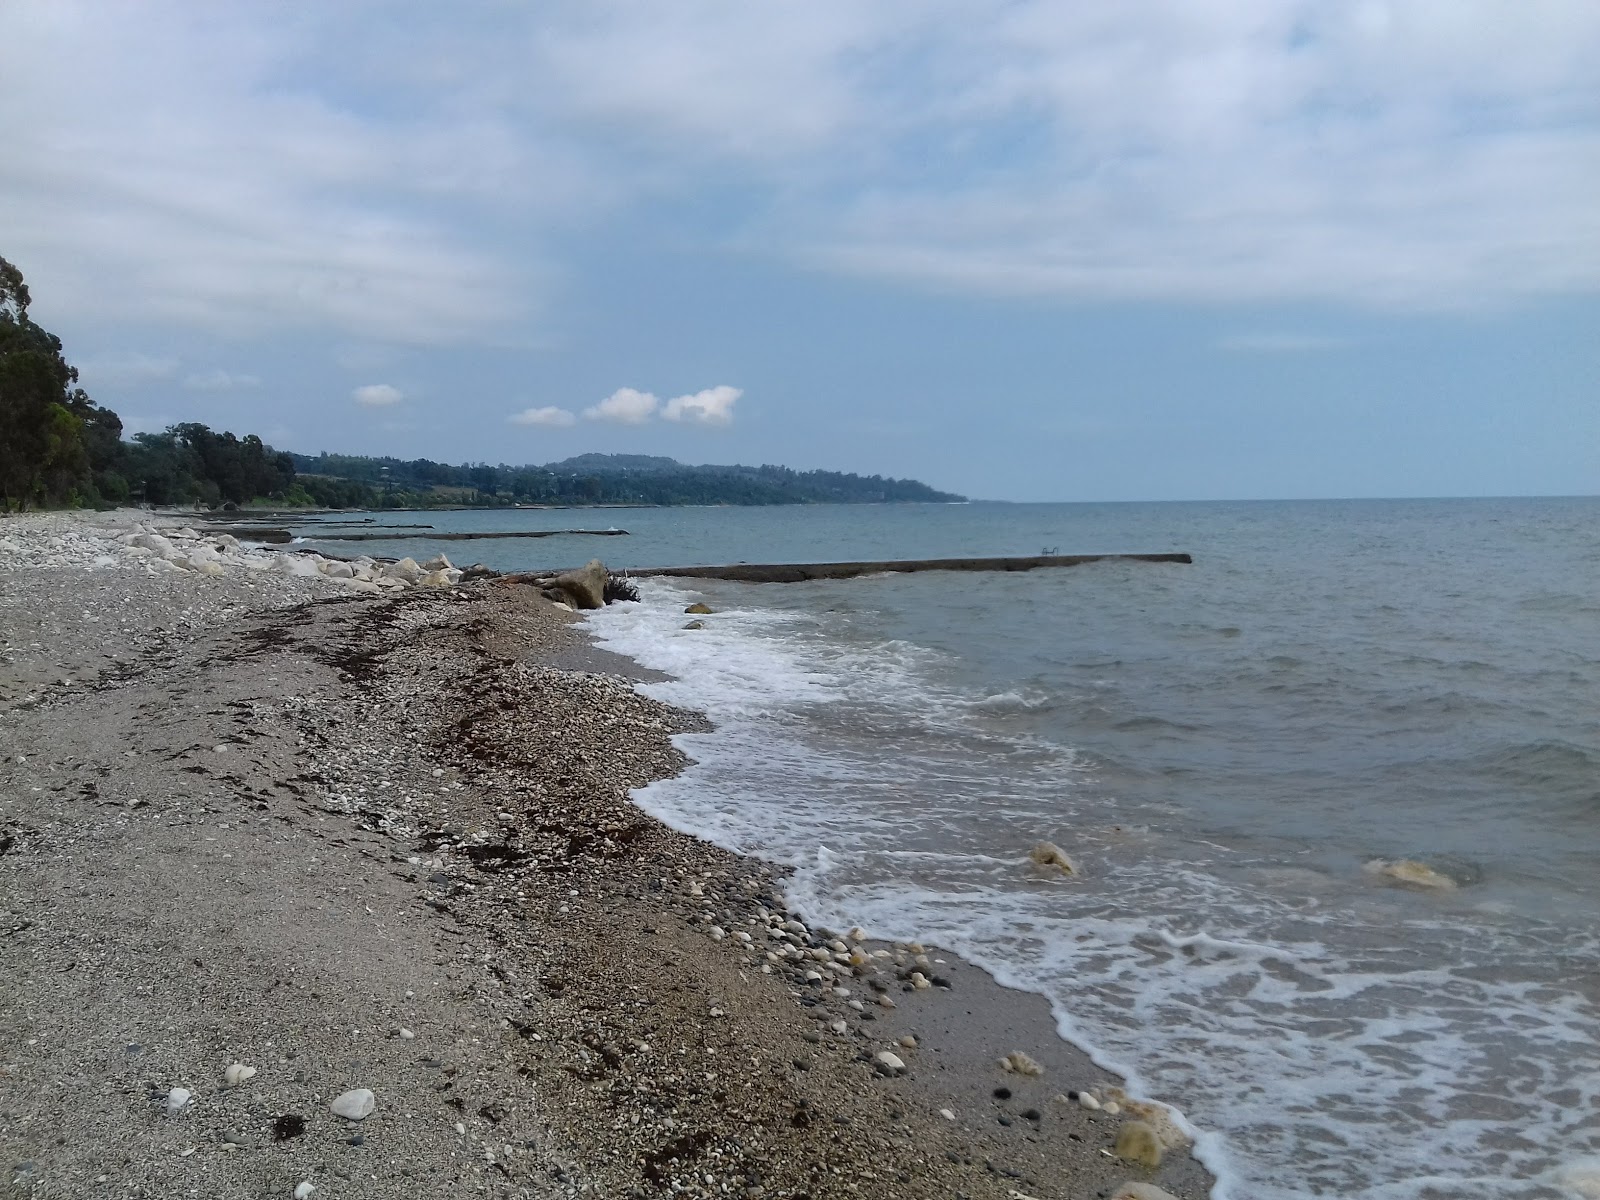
<point x="1159" y="249"/>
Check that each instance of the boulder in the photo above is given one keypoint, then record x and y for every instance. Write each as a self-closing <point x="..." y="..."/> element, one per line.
<point x="437" y="563"/>
<point x="478" y="571"/>
<point x="585" y="587"/>
<point x="406" y="570"/>
<point x="1410" y="873"/>
<point x="695" y="625"/>
<point x="439" y="578"/>
<point x="334" y="569"/>
<point x="1048" y="854"/>
<point x="699" y="609"/>
<point x="154" y="543"/>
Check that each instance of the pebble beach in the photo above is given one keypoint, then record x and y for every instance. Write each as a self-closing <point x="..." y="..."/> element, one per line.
<point x="321" y="879"/>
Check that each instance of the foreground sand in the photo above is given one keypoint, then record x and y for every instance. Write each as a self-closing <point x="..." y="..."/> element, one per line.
<point x="385" y="842"/>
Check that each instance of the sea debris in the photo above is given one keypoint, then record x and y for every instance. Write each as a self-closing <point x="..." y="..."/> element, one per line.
<point x="1137" y="1143"/>
<point x="1048" y="854"/>
<point x="1411" y="873"/>
<point x="1021" y="1063"/>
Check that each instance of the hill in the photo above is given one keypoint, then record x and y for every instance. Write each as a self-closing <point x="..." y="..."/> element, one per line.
<point x="350" y="481"/>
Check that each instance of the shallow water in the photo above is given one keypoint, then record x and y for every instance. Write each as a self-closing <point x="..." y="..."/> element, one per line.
<point x="1224" y="748"/>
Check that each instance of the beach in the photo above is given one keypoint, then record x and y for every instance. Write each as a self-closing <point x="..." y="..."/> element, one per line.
<point x="273" y="838"/>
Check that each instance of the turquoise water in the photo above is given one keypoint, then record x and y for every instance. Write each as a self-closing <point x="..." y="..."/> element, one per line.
<point x="1226" y="748"/>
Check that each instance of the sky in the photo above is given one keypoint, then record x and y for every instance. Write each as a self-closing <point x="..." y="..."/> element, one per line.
<point x="1142" y="250"/>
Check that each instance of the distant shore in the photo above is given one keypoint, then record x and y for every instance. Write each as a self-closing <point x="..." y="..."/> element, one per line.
<point x="382" y="839"/>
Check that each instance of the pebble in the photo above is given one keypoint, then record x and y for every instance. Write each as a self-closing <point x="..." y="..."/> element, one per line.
<point x="1088" y="1101"/>
<point x="406" y="1033"/>
<point x="838" y="1026"/>
<point x="303" y="1189"/>
<point x="947" y="1114"/>
<point x="909" y="1042"/>
<point x="354" y="1105"/>
<point x="177" y="1100"/>
<point x="237" y="1073"/>
<point x="888" y="1063"/>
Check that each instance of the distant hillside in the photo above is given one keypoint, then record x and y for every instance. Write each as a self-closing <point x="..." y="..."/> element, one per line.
<point x="350" y="481"/>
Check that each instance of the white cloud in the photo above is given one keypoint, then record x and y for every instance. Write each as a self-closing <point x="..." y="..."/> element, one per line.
<point x="377" y="395"/>
<point x="625" y="406"/>
<point x="221" y="381"/>
<point x="549" y="415"/>
<point x="245" y="173"/>
<point x="714" y="406"/>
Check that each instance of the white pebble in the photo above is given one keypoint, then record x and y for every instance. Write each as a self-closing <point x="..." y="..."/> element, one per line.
<point x="890" y="1062"/>
<point x="947" y="1114"/>
<point x="406" y="1034"/>
<point x="354" y="1105"/>
<point x="1112" y="1107"/>
<point x="304" y="1189"/>
<point x="177" y="1100"/>
<point x="1088" y="1101"/>
<point x="237" y="1073"/>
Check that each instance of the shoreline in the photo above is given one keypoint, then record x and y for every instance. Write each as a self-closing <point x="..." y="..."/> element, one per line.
<point x="374" y="832"/>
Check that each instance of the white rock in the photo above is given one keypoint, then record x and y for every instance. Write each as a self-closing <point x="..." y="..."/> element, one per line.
<point x="1087" y="1100"/>
<point x="335" y="569"/>
<point x="303" y="1189"/>
<point x="435" y="579"/>
<point x="437" y="563"/>
<point x="1134" y="1190"/>
<point x="947" y="1114"/>
<point x="208" y="568"/>
<point x="890" y="1062"/>
<point x="406" y="570"/>
<point x="177" y="1100"/>
<point x="237" y="1073"/>
<point x="354" y="1105"/>
<point x="406" y="1033"/>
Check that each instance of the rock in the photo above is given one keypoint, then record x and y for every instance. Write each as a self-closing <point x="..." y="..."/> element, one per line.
<point x="334" y="569"/>
<point x="439" y="578"/>
<point x="886" y="1062"/>
<point x="699" y="609"/>
<point x="237" y="1073"/>
<point x="406" y="1034"/>
<point x="947" y="1114"/>
<point x="354" y="1105"/>
<point x="1048" y="854"/>
<point x="1133" y="1190"/>
<point x="1087" y="1100"/>
<point x="1137" y="1143"/>
<point x="478" y="571"/>
<point x="303" y="1189"/>
<point x="585" y="587"/>
<point x="1158" y="1116"/>
<point x="406" y="570"/>
<point x="207" y="568"/>
<point x="1411" y="873"/>
<point x="1021" y="1063"/>
<point x="437" y="563"/>
<point x="695" y="625"/>
<point x="177" y="1100"/>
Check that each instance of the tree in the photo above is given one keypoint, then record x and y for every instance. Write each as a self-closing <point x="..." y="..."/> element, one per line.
<point x="53" y="438"/>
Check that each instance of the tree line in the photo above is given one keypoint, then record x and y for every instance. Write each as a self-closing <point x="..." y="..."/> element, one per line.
<point x="58" y="448"/>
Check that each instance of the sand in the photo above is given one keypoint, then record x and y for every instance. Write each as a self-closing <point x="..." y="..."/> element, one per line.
<point x="385" y="842"/>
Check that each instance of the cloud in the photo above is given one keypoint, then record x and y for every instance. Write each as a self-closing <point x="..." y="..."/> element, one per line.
<point x="377" y="395"/>
<point x="714" y="406"/>
<point x="120" y="370"/>
<point x="549" y="416"/>
<point x="221" y="381"/>
<point x="246" y="174"/>
<point x="625" y="406"/>
<point x="1280" y="343"/>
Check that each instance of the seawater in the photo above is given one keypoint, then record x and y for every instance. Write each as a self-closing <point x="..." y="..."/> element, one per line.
<point x="1224" y="748"/>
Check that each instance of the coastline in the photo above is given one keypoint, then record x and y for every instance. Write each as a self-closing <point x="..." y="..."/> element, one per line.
<point x="291" y="825"/>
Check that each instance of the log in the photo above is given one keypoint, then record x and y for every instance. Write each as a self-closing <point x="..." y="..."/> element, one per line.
<point x="799" y="572"/>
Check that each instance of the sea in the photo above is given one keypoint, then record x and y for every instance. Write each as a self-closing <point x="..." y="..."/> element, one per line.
<point x="1229" y="752"/>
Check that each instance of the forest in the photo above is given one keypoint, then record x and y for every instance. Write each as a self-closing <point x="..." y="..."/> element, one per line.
<point x="58" y="448"/>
